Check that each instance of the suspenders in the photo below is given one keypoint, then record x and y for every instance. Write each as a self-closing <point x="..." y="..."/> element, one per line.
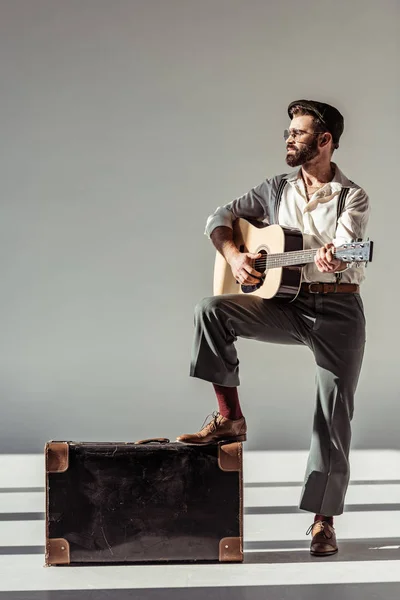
<point x="276" y="202"/>
<point x="342" y="201"/>
<point x="340" y="207"/>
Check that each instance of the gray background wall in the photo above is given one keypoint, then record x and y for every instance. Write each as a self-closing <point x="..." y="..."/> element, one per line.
<point x="124" y="123"/>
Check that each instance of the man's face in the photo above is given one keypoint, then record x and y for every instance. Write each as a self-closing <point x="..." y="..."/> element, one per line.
<point x="304" y="147"/>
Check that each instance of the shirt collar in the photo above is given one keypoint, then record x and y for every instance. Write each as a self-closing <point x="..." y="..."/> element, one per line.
<point x="339" y="180"/>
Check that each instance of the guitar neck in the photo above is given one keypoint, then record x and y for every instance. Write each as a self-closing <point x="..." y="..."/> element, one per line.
<point x="287" y="259"/>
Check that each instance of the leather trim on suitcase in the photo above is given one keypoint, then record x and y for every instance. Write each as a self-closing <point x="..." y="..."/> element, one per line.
<point x="230" y="549"/>
<point x="57" y="457"/>
<point x="230" y="456"/>
<point x="57" y="552"/>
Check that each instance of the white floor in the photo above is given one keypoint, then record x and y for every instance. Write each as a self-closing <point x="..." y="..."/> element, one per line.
<point x="277" y="561"/>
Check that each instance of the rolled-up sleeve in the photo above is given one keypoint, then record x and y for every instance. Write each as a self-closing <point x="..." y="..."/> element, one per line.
<point x="252" y="206"/>
<point x="352" y="223"/>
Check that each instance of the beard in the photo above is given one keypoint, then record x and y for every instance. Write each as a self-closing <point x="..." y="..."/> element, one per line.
<point x="299" y="156"/>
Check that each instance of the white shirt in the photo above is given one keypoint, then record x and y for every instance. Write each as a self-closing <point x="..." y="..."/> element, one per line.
<point x="315" y="218"/>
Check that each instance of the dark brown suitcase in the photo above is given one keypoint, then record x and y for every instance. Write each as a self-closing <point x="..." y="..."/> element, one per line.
<point x="143" y="502"/>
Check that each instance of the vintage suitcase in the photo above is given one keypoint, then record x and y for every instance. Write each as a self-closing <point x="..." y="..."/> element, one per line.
<point x="142" y="502"/>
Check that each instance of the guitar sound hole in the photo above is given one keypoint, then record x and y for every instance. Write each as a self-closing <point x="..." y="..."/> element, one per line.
<point x="260" y="263"/>
<point x="260" y="266"/>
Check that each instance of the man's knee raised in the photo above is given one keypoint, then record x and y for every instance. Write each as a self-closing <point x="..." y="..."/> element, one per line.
<point x="207" y="306"/>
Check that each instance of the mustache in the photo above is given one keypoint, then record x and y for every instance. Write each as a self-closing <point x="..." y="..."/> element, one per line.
<point x="294" y="147"/>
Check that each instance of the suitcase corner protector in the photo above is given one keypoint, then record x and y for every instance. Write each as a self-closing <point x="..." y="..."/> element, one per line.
<point x="231" y="549"/>
<point x="57" y="457"/>
<point x="230" y="456"/>
<point x="57" y="552"/>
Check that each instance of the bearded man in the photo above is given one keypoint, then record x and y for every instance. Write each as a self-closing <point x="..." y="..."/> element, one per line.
<point x="327" y="315"/>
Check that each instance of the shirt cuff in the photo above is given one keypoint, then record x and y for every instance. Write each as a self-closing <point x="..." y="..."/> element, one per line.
<point x="224" y="218"/>
<point x="348" y="266"/>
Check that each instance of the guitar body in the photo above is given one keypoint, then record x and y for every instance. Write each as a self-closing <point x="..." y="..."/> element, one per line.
<point x="283" y="282"/>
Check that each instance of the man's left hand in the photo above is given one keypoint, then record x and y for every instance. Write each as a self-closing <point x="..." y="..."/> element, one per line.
<point x="326" y="262"/>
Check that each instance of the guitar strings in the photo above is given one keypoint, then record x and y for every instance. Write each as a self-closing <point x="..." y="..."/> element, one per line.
<point x="285" y="258"/>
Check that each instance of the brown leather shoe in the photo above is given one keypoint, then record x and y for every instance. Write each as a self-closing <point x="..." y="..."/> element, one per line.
<point x="218" y="429"/>
<point x="323" y="541"/>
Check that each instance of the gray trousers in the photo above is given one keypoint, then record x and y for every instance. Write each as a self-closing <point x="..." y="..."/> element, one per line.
<point x="333" y="327"/>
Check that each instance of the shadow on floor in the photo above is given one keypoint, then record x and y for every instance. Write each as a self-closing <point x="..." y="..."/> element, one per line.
<point x="349" y="550"/>
<point x="348" y="591"/>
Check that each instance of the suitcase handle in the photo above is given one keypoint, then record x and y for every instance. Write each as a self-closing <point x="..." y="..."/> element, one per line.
<point x="154" y="441"/>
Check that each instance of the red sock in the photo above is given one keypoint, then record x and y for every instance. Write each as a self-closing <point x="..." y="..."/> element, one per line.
<point x="228" y="402"/>
<point x="323" y="518"/>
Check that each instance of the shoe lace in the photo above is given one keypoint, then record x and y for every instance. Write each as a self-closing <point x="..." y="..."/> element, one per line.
<point x="212" y="425"/>
<point x="322" y="529"/>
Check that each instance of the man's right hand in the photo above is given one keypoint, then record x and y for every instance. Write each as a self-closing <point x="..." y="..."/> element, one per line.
<point x="241" y="264"/>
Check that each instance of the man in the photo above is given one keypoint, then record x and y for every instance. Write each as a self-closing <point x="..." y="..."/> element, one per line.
<point x="329" y="209"/>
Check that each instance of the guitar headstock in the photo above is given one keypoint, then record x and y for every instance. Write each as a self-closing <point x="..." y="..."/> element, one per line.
<point x="355" y="252"/>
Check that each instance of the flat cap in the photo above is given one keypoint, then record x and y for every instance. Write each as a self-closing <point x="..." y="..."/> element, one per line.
<point x="329" y="115"/>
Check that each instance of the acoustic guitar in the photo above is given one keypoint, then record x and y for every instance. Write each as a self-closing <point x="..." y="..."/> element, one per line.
<point x="282" y="258"/>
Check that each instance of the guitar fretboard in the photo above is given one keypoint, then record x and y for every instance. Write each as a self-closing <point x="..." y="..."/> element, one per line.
<point x="285" y="259"/>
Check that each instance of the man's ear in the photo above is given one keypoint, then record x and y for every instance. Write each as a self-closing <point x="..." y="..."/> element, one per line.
<point x="325" y="139"/>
